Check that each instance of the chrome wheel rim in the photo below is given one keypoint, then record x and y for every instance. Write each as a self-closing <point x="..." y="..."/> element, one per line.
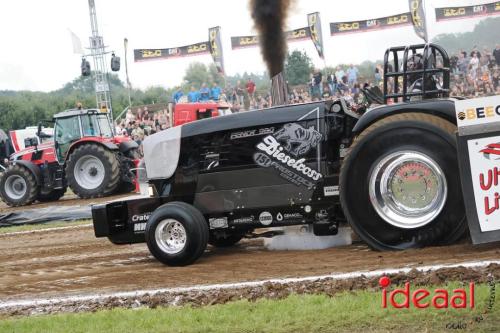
<point x="407" y="189"/>
<point x="89" y="172"/>
<point x="170" y="236"/>
<point x="15" y="187"/>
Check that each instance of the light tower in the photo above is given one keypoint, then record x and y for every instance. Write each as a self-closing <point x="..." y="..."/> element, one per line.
<point x="98" y="52"/>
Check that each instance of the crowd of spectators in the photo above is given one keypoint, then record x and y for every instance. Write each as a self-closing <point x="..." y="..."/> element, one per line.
<point x="141" y="123"/>
<point x="475" y="73"/>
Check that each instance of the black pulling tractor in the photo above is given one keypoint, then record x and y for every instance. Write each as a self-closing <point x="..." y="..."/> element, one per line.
<point x="390" y="171"/>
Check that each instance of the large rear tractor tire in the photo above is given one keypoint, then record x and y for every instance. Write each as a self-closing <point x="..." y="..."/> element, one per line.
<point x="18" y="186"/>
<point x="177" y="234"/>
<point x="400" y="185"/>
<point x="92" y="171"/>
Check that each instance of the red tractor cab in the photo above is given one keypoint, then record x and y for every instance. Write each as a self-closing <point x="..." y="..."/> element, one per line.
<point x="188" y="112"/>
<point x="83" y="154"/>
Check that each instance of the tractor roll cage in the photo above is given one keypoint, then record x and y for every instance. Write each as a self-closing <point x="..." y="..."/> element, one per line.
<point x="426" y="73"/>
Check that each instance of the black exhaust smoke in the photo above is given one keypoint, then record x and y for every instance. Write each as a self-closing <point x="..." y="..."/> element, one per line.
<point x="269" y="17"/>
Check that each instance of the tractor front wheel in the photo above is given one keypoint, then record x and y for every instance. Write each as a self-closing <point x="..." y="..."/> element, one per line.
<point x="92" y="171"/>
<point x="18" y="186"/>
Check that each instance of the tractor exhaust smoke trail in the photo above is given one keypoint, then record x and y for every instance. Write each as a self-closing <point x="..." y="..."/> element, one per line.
<point x="269" y="17"/>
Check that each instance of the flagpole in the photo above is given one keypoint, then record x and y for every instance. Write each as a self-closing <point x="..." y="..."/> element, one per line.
<point x="426" y="32"/>
<point x="125" y="43"/>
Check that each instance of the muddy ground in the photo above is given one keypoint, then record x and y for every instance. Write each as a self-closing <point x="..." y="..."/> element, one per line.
<point x="69" y="199"/>
<point x="74" y="262"/>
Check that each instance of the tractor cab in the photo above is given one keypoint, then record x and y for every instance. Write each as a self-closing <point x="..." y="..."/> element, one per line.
<point x="75" y="125"/>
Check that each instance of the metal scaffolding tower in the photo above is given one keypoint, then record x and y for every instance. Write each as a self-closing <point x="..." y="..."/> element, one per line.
<point x="98" y="52"/>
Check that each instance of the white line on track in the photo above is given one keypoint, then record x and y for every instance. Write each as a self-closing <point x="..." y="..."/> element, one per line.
<point x="45" y="230"/>
<point x="336" y="276"/>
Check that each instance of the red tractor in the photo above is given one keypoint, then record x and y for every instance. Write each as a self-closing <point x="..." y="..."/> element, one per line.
<point x="84" y="154"/>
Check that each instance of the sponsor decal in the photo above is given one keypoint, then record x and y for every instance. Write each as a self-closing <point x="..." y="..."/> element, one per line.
<point x="243" y="220"/>
<point x="218" y="222"/>
<point x="450" y="13"/>
<point x="140" y="227"/>
<point x="491" y="151"/>
<point x="477" y="111"/>
<point x="288" y="216"/>
<point x="174" y="52"/>
<point x="284" y="150"/>
<point x="331" y="190"/>
<point x="371" y="24"/>
<point x="253" y="41"/>
<point x="485" y="172"/>
<point x="141" y="217"/>
<point x="265" y="218"/>
<point x="252" y="132"/>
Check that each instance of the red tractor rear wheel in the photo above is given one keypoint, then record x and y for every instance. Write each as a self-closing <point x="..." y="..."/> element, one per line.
<point x="93" y="171"/>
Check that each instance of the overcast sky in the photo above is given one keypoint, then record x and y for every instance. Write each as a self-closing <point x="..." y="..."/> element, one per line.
<point x="36" y="49"/>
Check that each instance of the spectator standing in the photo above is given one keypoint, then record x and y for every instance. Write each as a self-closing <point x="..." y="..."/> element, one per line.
<point x="317" y="83"/>
<point x="379" y="72"/>
<point x="462" y="64"/>
<point x="339" y="74"/>
<point x="193" y="95"/>
<point x="204" y="93"/>
<point x="215" y="92"/>
<point x="240" y="93"/>
<point x="177" y="95"/>
<point x="331" y="79"/>
<point x="129" y="117"/>
<point x="251" y="90"/>
<point x="496" y="54"/>
<point x="476" y="51"/>
<point x="352" y="75"/>
<point x="474" y="65"/>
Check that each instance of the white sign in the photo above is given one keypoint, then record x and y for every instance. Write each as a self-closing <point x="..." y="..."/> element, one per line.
<point x="477" y="111"/>
<point x="484" y="156"/>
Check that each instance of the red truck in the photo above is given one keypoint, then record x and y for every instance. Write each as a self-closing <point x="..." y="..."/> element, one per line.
<point x="188" y="112"/>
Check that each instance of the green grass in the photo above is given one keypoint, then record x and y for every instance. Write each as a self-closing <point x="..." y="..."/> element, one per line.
<point x="48" y="225"/>
<point x="346" y="312"/>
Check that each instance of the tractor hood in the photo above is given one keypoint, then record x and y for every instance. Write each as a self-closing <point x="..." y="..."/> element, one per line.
<point x="161" y="153"/>
<point x="162" y="150"/>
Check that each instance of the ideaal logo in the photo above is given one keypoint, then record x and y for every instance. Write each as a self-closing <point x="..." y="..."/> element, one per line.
<point x="422" y="298"/>
<point x="460" y="298"/>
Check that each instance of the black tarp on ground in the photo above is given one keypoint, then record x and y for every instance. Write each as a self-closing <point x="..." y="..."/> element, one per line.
<point x="43" y="215"/>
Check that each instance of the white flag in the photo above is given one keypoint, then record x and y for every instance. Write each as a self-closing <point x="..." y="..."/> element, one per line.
<point x="77" y="43"/>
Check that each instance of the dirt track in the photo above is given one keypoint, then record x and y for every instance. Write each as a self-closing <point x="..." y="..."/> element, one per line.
<point x="69" y="262"/>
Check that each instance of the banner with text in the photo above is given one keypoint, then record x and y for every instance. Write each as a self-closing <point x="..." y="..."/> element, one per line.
<point x="393" y="21"/>
<point x="451" y="13"/>
<point x="214" y="39"/>
<point x="314" y="23"/>
<point x="253" y="41"/>
<point x="174" y="52"/>
<point x="417" y="12"/>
